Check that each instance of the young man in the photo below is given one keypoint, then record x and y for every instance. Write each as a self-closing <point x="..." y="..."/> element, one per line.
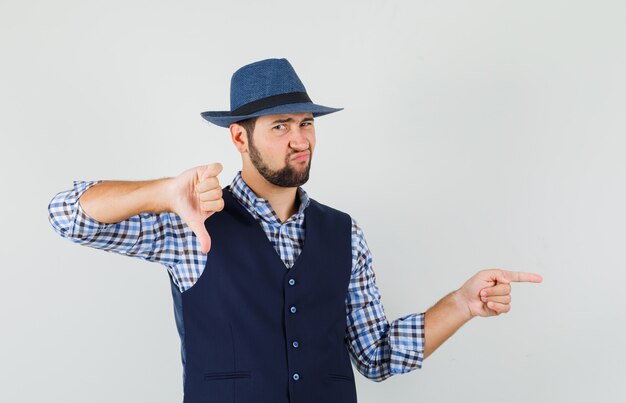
<point x="274" y="292"/>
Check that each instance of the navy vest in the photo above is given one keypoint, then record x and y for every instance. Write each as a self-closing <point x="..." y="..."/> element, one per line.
<point x="253" y="331"/>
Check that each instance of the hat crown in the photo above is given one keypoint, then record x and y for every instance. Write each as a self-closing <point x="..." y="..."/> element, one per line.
<point x="263" y="79"/>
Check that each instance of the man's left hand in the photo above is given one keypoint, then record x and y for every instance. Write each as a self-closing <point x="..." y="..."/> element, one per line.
<point x="488" y="292"/>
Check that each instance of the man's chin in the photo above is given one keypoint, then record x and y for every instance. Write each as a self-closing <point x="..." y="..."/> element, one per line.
<point x="300" y="180"/>
<point x="300" y="167"/>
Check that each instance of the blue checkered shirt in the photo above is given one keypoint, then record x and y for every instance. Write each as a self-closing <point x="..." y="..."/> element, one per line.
<point x="378" y="348"/>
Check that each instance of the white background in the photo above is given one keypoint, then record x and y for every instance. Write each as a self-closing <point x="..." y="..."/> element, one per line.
<point x="476" y="134"/>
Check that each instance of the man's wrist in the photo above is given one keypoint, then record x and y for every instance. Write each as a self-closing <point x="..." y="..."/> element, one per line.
<point x="160" y="196"/>
<point x="462" y="305"/>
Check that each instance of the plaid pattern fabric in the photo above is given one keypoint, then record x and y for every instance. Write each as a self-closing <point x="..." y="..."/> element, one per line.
<point x="378" y="348"/>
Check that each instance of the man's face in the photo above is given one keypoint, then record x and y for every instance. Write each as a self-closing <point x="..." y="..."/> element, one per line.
<point x="281" y="148"/>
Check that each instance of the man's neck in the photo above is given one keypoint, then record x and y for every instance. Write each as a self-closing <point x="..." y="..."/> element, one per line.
<point x="284" y="201"/>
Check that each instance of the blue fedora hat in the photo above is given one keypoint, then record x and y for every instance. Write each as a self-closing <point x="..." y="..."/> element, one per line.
<point x="266" y="87"/>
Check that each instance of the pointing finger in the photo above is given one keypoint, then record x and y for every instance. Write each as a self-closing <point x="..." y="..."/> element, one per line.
<point x="521" y="276"/>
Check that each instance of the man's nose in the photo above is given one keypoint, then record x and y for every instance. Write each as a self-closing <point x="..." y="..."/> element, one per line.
<point x="299" y="140"/>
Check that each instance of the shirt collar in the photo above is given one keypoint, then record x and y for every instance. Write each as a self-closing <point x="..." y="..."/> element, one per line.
<point x="259" y="206"/>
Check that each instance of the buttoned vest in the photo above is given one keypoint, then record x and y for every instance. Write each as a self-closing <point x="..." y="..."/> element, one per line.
<point x="254" y="331"/>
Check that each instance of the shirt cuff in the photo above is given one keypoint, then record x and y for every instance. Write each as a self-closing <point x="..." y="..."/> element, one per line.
<point x="84" y="225"/>
<point x="406" y="340"/>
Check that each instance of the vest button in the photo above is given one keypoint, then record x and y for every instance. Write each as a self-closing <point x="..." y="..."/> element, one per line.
<point x="293" y="309"/>
<point x="295" y="344"/>
<point x="296" y="376"/>
<point x="292" y="281"/>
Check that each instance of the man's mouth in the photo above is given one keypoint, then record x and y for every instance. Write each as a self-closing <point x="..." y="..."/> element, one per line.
<point x="303" y="155"/>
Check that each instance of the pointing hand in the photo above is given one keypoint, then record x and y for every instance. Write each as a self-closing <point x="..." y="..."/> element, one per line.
<point x="495" y="285"/>
<point x="197" y="195"/>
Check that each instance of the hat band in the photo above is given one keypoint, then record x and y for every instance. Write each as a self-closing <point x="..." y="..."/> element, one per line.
<point x="268" y="102"/>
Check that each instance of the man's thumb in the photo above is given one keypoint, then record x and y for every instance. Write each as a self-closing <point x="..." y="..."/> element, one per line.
<point x="203" y="237"/>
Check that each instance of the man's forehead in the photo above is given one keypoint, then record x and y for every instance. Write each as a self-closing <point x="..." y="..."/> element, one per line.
<point x="286" y="117"/>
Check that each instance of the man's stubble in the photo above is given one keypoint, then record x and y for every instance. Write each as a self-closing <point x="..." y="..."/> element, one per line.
<point x="284" y="177"/>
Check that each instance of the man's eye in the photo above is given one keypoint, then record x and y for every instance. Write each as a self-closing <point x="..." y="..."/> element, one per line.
<point x="307" y="123"/>
<point x="277" y="126"/>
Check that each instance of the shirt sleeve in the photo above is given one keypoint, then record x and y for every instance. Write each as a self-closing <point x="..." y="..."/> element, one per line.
<point x="378" y="348"/>
<point x="163" y="238"/>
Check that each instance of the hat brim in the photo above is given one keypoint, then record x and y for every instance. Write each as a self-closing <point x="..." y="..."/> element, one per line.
<point x="224" y="118"/>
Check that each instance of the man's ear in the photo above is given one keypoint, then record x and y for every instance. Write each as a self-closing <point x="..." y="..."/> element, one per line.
<point x="239" y="137"/>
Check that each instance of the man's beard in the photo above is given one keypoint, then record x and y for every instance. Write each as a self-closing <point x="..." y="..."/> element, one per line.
<point x="284" y="177"/>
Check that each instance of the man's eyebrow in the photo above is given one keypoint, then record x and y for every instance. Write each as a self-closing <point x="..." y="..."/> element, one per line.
<point x="282" y="121"/>
<point x="307" y="119"/>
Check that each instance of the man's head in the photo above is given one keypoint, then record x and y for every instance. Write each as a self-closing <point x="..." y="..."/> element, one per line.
<point x="271" y="121"/>
<point x="278" y="147"/>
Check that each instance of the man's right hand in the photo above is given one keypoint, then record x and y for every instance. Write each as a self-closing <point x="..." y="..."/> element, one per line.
<point x="196" y="195"/>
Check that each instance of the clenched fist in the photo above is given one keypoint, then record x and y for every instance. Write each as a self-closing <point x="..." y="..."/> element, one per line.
<point x="196" y="195"/>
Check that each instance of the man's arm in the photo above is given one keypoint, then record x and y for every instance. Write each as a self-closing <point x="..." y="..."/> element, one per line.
<point x="143" y="219"/>
<point x="442" y="320"/>
<point x="110" y="202"/>
<point x="380" y="349"/>
<point x="487" y="293"/>
<point x="153" y="236"/>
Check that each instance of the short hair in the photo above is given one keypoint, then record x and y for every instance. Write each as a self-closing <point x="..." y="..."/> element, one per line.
<point x="248" y="124"/>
